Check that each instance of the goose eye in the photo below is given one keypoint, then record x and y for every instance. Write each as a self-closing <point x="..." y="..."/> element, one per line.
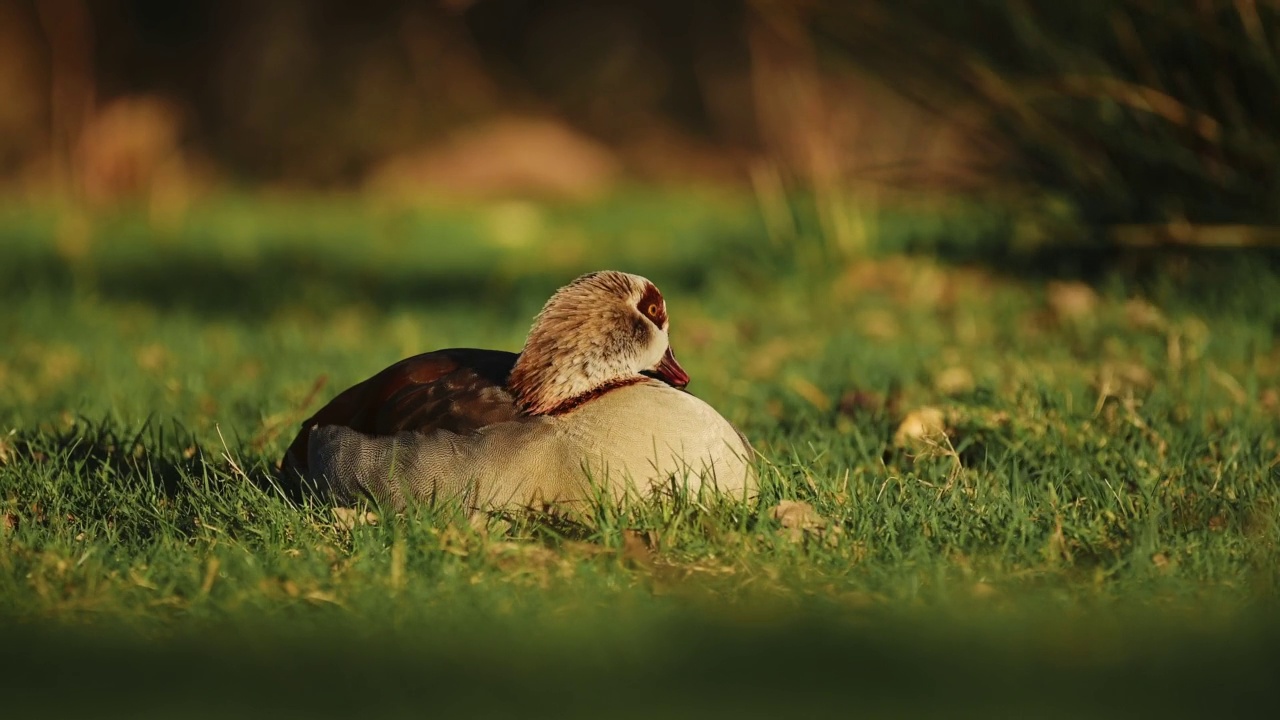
<point x="652" y="310"/>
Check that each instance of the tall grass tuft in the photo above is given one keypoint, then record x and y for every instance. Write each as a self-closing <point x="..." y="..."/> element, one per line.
<point x="1134" y="111"/>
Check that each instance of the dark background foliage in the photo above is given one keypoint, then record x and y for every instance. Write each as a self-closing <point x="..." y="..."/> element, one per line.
<point x="1137" y="111"/>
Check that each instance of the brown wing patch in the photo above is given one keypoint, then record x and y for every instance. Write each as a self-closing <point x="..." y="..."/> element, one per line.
<point x="460" y="390"/>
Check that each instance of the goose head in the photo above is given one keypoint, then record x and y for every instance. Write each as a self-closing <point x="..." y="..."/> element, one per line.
<point x="603" y="330"/>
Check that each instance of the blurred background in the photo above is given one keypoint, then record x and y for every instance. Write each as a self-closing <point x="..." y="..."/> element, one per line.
<point x="989" y="283"/>
<point x="1149" y="119"/>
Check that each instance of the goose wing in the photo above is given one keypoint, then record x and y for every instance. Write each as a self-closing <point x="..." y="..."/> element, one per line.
<point x="459" y="390"/>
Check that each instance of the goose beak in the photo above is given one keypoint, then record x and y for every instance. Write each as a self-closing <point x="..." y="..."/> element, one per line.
<point x="670" y="372"/>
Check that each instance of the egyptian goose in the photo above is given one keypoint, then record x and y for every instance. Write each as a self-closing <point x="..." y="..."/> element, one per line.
<point x="595" y="400"/>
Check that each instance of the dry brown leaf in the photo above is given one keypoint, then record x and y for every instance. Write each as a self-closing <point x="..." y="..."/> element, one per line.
<point x="1071" y="300"/>
<point x="136" y="577"/>
<point x="799" y="518"/>
<point x="798" y="515"/>
<point x="1118" y="379"/>
<point x="345" y="518"/>
<point x="954" y="381"/>
<point x="1142" y="315"/>
<point x="921" y="425"/>
<point x="638" y="546"/>
<point x="810" y="392"/>
<point x="492" y="524"/>
<point x="1270" y="399"/>
<point x="320" y="596"/>
<point x="854" y="402"/>
<point x="1134" y="375"/>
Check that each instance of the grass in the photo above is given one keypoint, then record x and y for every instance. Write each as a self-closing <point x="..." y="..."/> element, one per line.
<point x="1129" y="111"/>
<point x="1085" y="519"/>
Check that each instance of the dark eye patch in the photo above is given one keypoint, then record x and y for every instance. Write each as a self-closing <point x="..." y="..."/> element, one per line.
<point x="652" y="306"/>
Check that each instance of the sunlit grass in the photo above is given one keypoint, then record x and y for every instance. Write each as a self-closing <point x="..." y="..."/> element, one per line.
<point x="981" y="442"/>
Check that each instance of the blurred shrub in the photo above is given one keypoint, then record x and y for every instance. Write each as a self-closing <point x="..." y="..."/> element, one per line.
<point x="1131" y="111"/>
<point x="1136" y="111"/>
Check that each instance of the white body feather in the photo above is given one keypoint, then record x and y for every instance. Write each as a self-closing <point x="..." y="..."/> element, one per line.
<point x="634" y="439"/>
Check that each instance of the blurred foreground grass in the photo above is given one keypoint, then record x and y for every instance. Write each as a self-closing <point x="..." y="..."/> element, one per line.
<point x="1044" y="482"/>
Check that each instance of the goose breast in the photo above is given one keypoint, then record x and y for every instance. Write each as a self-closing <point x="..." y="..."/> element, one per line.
<point x="650" y="432"/>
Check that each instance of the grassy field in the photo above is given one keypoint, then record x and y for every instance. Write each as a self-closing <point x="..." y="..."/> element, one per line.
<point x="1045" y="481"/>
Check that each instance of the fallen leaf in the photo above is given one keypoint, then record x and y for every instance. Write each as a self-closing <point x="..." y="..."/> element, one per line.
<point x="491" y="524"/>
<point x="320" y="596"/>
<point x="637" y="547"/>
<point x="798" y="518"/>
<point x="140" y="580"/>
<point x="1117" y="379"/>
<point x="1071" y="300"/>
<point x="923" y="424"/>
<point x="797" y="514"/>
<point x="954" y="381"/>
<point x="810" y="392"/>
<point x="1270" y="399"/>
<point x="345" y="518"/>
<point x="1142" y="315"/>
<point x="855" y="402"/>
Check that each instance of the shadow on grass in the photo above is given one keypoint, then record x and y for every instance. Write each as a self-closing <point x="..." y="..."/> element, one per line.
<point x="285" y="273"/>
<point x="690" y="664"/>
<point x="1093" y="264"/>
<point x="103" y="470"/>
<point x="211" y="285"/>
<point x="154" y="459"/>
<point x="1213" y="280"/>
